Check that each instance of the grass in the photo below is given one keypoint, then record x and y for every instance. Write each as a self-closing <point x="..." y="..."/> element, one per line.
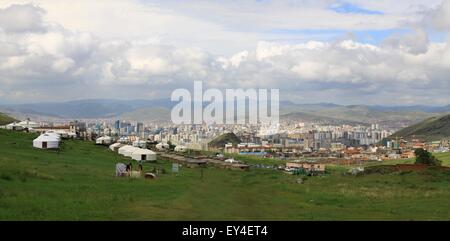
<point x="5" y="119"/>
<point x="444" y="157"/>
<point x="78" y="183"/>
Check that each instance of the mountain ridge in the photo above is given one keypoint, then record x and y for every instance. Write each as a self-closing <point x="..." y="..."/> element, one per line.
<point x="117" y="108"/>
<point x="431" y="129"/>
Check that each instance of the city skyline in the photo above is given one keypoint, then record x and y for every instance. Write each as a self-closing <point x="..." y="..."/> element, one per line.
<point x="343" y="52"/>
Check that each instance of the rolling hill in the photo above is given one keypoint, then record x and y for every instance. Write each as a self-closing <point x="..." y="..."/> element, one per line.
<point x="434" y="128"/>
<point x="317" y="118"/>
<point x="5" y="119"/>
<point x="154" y="114"/>
<point x="223" y="139"/>
<point x="149" y="110"/>
<point x="78" y="183"/>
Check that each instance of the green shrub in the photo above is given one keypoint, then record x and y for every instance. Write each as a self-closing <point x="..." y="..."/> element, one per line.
<point x="425" y="157"/>
<point x="380" y="170"/>
<point x="6" y="177"/>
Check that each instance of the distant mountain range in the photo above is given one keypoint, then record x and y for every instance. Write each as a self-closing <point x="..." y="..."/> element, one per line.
<point x="431" y="129"/>
<point x="394" y="117"/>
<point x="154" y="114"/>
<point x="95" y="108"/>
<point x="159" y="110"/>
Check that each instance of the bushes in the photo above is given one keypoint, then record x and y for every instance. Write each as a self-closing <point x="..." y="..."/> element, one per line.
<point x="6" y="177"/>
<point x="405" y="169"/>
<point x="426" y="158"/>
<point x="380" y="169"/>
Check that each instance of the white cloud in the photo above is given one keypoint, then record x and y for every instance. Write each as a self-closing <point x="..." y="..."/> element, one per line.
<point x="233" y="25"/>
<point x="105" y="52"/>
<point x="415" y="43"/>
<point x="21" y="18"/>
<point x="439" y="17"/>
<point x="62" y="65"/>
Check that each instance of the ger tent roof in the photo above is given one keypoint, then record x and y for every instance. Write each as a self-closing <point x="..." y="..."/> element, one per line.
<point x="126" y="150"/>
<point x="141" y="151"/>
<point x="47" y="138"/>
<point x="136" y="153"/>
<point x="26" y="123"/>
<point x="162" y="146"/>
<point x="53" y="134"/>
<point x="143" y="155"/>
<point x="180" y="148"/>
<point x="104" y="138"/>
<point x="115" y="145"/>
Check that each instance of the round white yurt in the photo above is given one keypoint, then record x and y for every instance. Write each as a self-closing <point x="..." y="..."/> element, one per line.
<point x="126" y="150"/>
<point x="14" y="126"/>
<point x="46" y="141"/>
<point x="28" y="124"/>
<point x="143" y="155"/>
<point x="115" y="146"/>
<point x="104" y="140"/>
<point x="180" y="148"/>
<point x="53" y="134"/>
<point x="162" y="146"/>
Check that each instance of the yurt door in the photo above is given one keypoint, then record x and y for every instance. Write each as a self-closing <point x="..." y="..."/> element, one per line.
<point x="143" y="157"/>
<point x="44" y="144"/>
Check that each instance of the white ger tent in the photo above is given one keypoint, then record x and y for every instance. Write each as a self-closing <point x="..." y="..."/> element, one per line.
<point x="104" y="140"/>
<point x="143" y="155"/>
<point x="137" y="154"/>
<point x="53" y="134"/>
<point x="115" y="146"/>
<point x="46" y="141"/>
<point x="162" y="146"/>
<point x="180" y="148"/>
<point x="126" y="150"/>
<point x="14" y="126"/>
<point x="28" y="124"/>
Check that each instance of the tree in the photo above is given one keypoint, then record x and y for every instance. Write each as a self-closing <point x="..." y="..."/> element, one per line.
<point x="425" y="157"/>
<point x="171" y="146"/>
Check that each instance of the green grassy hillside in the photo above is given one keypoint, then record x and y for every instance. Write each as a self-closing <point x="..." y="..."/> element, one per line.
<point x="431" y="129"/>
<point x="223" y="139"/>
<point x="5" y="119"/>
<point x="366" y="114"/>
<point x="78" y="183"/>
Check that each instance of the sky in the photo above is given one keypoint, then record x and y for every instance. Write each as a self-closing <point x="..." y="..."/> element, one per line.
<point x="375" y="52"/>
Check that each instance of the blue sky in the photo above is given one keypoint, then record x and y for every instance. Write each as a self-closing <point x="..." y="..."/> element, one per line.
<point x="369" y="36"/>
<point x="345" y="7"/>
<point x="363" y="36"/>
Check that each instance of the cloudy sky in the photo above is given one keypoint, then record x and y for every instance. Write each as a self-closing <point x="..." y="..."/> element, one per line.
<point x="347" y="52"/>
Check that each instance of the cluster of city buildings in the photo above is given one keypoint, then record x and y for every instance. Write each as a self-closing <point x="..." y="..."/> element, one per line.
<point x="312" y="141"/>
